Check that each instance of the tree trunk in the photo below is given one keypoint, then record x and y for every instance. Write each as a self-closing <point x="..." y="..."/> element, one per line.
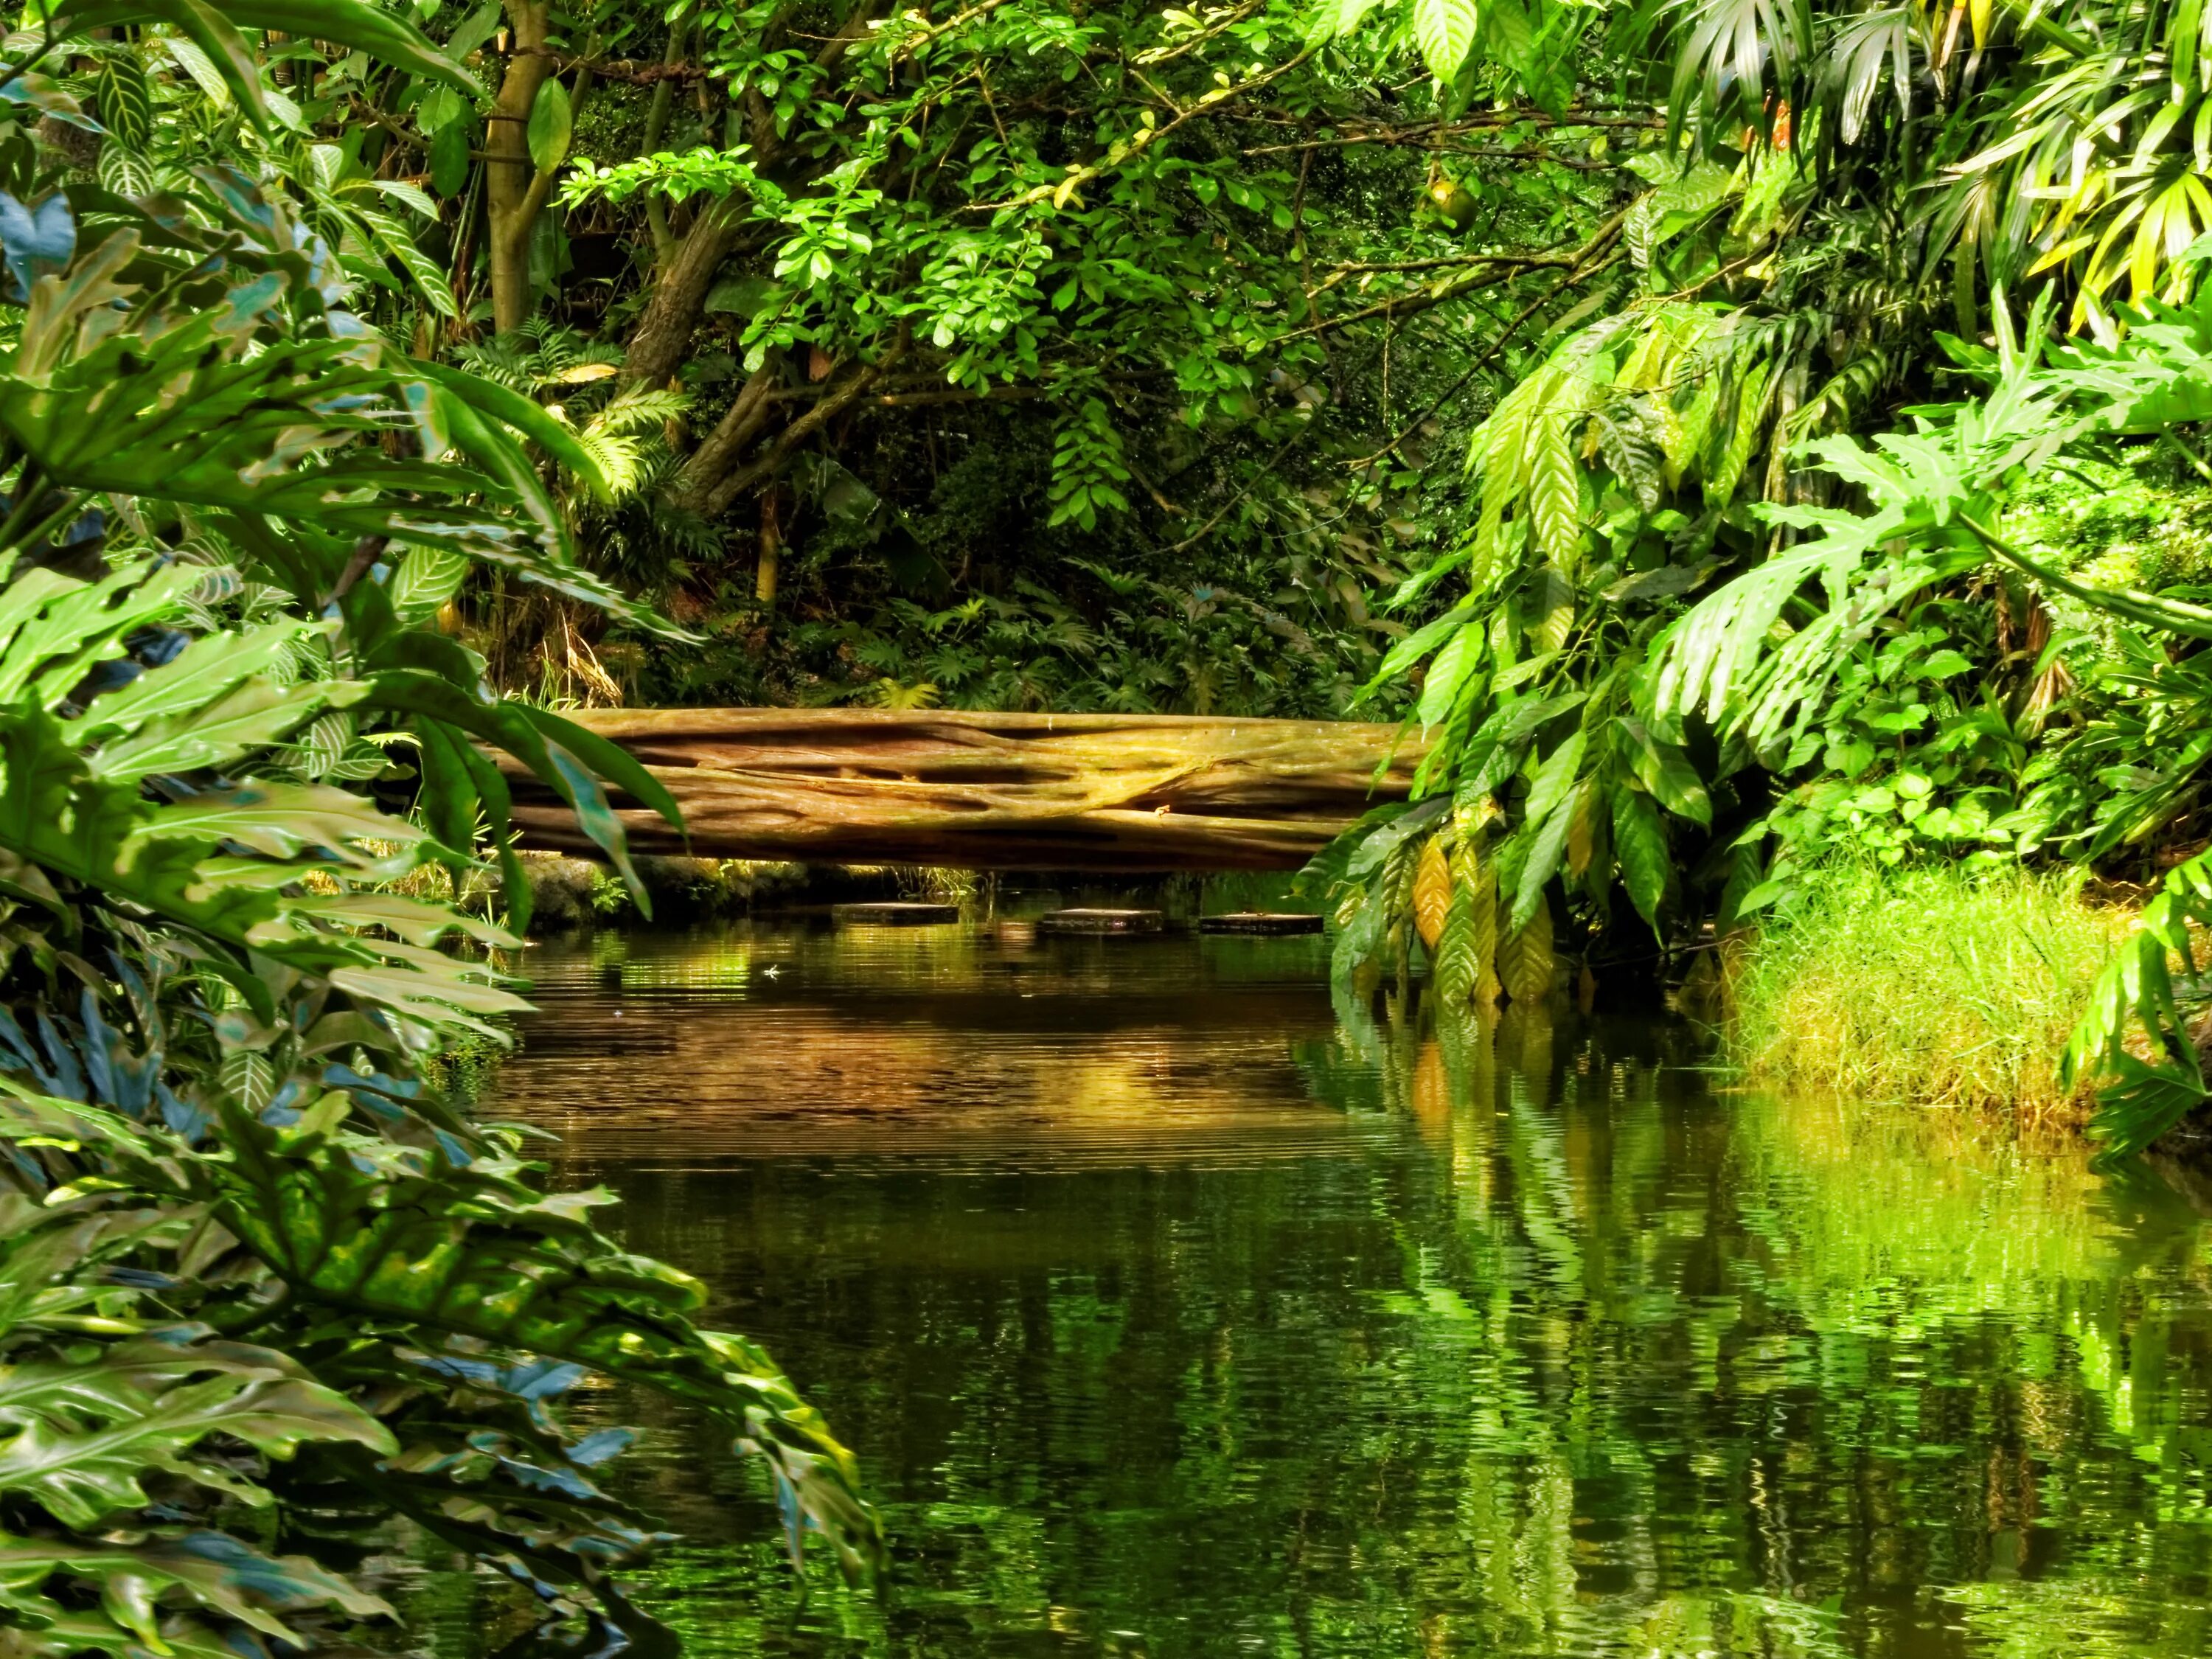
<point x="656" y="127"/>
<point x="511" y="183"/>
<point x="680" y="287"/>
<point x="994" y="791"/>
<point x="717" y="473"/>
<point x="740" y="426"/>
<point x="682" y="279"/>
<point x="771" y="551"/>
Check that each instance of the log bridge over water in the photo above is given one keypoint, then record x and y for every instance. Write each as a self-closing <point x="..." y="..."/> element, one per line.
<point x="1109" y="793"/>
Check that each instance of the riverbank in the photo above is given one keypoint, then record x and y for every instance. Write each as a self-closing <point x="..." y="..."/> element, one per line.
<point x="571" y="893"/>
<point x="1939" y="986"/>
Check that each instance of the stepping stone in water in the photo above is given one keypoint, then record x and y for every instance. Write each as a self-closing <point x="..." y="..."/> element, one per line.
<point x="1100" y="921"/>
<point x="896" y="914"/>
<point x="1270" y="922"/>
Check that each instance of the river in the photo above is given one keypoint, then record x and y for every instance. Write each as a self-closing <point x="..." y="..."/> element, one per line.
<point x="1173" y="1311"/>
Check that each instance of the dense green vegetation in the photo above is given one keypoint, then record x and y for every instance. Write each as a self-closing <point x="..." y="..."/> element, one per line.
<point x="1507" y="368"/>
<point x="1745" y="437"/>
<point x="261" y="1291"/>
<point x="1927" y="983"/>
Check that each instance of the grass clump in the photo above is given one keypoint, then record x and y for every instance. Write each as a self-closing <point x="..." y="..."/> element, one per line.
<point x="1940" y="986"/>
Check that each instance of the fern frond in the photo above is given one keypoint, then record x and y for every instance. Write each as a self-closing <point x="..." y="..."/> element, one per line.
<point x="640" y="408"/>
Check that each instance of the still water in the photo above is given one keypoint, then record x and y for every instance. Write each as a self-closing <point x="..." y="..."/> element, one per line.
<point x="1173" y="1311"/>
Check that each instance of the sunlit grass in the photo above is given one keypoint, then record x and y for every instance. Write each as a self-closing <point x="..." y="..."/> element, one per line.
<point x="1942" y="987"/>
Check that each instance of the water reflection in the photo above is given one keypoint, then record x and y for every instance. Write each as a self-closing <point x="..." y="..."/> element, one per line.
<point x="1174" y="1311"/>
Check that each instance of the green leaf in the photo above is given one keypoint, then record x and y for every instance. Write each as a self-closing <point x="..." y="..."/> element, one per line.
<point x="1547" y="846"/>
<point x="1387" y="838"/>
<point x="449" y="159"/>
<point x="2143" y="1102"/>
<point x="1334" y="19"/>
<point x="1527" y="957"/>
<point x="609" y="760"/>
<point x="1665" y="770"/>
<point x="252" y="715"/>
<point x="81" y="1476"/>
<point x="1415" y="645"/>
<point x="1640" y="845"/>
<point x="1454" y="665"/>
<point x="478" y="26"/>
<point x="274" y="819"/>
<point x="1444" y="31"/>
<point x="512" y="408"/>
<point x="212" y="1569"/>
<point x="351" y="23"/>
<point x="1555" y="494"/>
<point x="1555" y="777"/>
<point x="212" y="47"/>
<point x="393" y="239"/>
<point x="125" y="103"/>
<point x="426" y="579"/>
<point x="551" y="123"/>
<point x="212" y="665"/>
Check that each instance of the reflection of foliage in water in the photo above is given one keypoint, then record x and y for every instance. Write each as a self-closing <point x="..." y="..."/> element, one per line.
<point x="1560" y="1354"/>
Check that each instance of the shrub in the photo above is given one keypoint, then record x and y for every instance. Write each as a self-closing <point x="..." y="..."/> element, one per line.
<point x="261" y="1289"/>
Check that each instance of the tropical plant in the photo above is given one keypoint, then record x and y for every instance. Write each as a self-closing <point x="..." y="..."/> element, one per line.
<point x="261" y="1291"/>
<point x="1933" y="497"/>
<point x="1837" y="187"/>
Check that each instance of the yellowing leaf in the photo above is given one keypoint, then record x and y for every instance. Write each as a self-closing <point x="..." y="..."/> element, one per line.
<point x="1526" y="959"/>
<point x="1432" y="891"/>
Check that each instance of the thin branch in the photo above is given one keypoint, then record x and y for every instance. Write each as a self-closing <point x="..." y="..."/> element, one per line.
<point x="630" y="71"/>
<point x="1061" y="189"/>
<point x="1407" y="304"/>
<point x="718" y="496"/>
<point x="909" y="43"/>
<point x="1159" y="55"/>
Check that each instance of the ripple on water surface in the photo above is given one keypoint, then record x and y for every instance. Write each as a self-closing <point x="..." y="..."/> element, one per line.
<point x="1171" y="1313"/>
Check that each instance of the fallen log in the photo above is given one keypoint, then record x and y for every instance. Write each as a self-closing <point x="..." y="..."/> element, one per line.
<point x="1109" y="792"/>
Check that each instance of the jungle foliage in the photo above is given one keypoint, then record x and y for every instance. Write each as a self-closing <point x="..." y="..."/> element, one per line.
<point x="264" y="1294"/>
<point x="1710" y="422"/>
<point x="1494" y="366"/>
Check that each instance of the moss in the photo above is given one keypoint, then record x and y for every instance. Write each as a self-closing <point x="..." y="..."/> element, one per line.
<point x="1939" y="985"/>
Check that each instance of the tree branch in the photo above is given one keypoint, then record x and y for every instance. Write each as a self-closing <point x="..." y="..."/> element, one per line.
<point x="1407" y="305"/>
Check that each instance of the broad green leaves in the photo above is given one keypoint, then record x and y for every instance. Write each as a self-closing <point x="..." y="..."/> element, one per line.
<point x="233" y="512"/>
<point x="1646" y="868"/>
<point x="212" y="29"/>
<point x="88" y="1435"/>
<point x="551" y="125"/>
<point x="1445" y="31"/>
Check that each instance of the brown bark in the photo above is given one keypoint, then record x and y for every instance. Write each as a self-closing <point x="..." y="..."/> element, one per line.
<point x="680" y="285"/>
<point x="771" y="551"/>
<point x="514" y="191"/>
<point x="999" y="792"/>
<point x="713" y="478"/>
<point x="740" y="428"/>
<point x="684" y="277"/>
<point x="656" y="126"/>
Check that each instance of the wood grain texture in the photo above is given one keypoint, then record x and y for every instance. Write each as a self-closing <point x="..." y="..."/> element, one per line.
<point x="1109" y="792"/>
